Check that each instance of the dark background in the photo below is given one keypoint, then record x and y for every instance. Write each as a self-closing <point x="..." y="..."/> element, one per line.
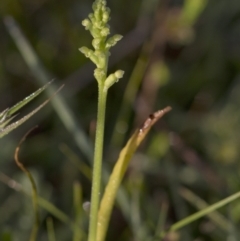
<point x="171" y="56"/>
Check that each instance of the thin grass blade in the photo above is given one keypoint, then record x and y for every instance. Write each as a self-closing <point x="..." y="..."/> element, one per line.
<point x="45" y="204"/>
<point x="77" y="199"/>
<point x="22" y="103"/>
<point x="50" y="230"/>
<point x="14" y="125"/>
<point x="6" y="115"/>
<point x="36" y="222"/>
<point x="119" y="170"/>
<point x="201" y="213"/>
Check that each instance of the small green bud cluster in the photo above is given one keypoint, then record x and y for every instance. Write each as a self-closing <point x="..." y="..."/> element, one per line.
<point x="113" y="78"/>
<point x="97" y="24"/>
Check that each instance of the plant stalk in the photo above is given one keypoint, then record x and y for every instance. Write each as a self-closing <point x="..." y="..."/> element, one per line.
<point x="97" y="164"/>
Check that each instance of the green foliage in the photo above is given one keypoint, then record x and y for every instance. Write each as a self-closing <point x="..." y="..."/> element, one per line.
<point x="119" y="170"/>
<point x="7" y="115"/>
<point x="186" y="167"/>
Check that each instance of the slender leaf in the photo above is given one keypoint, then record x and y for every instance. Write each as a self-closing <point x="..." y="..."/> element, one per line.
<point x="120" y="167"/>
<point x="36" y="222"/>
<point x="45" y="204"/>
<point x="22" y="103"/>
<point x="201" y="213"/>
<point x="9" y="128"/>
<point x="77" y="198"/>
<point x="50" y="230"/>
<point x="6" y="115"/>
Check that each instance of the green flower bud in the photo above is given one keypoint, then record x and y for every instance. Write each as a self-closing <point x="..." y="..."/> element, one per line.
<point x="85" y="51"/>
<point x="89" y="54"/>
<point x="119" y="74"/>
<point x="95" y="33"/>
<point x="105" y="31"/>
<point x="113" y="40"/>
<point x="95" y="5"/>
<point x="98" y="25"/>
<point x="105" y="17"/>
<point x="87" y="24"/>
<point x="113" y="78"/>
<point x="96" y="43"/>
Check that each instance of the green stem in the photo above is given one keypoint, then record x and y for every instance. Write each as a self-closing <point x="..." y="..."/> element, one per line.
<point x="97" y="164"/>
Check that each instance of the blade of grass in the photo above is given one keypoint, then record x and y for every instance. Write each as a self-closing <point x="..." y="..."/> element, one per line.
<point x="162" y="217"/>
<point x="50" y="230"/>
<point x="14" y="125"/>
<point x="20" y="104"/>
<point x="6" y="115"/>
<point x="216" y="217"/>
<point x="119" y="170"/>
<point x="36" y="222"/>
<point x="192" y="10"/>
<point x="77" y="199"/>
<point x="139" y="228"/>
<point x="5" y="122"/>
<point x="60" y="215"/>
<point x="173" y="183"/>
<point x="200" y="214"/>
<point x="83" y="167"/>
